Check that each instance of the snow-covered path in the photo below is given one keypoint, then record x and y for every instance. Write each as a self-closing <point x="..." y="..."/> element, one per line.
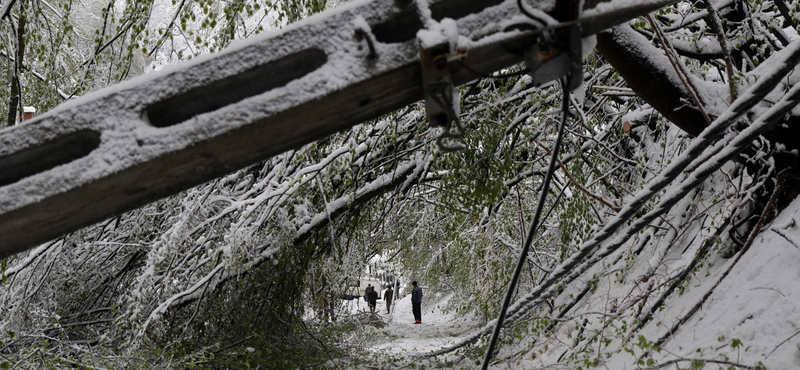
<point x="751" y="317"/>
<point x="438" y="329"/>
<point x="394" y="336"/>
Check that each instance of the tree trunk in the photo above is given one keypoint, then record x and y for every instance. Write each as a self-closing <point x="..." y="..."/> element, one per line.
<point x="640" y="65"/>
<point x="646" y="75"/>
<point x="16" y="90"/>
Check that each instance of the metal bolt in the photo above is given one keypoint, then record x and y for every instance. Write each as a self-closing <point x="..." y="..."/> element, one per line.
<point x="440" y="62"/>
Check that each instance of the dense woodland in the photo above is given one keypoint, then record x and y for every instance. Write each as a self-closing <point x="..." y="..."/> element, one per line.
<point x="681" y="144"/>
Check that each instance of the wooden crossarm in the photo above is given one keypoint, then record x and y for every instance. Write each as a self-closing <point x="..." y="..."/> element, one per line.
<point x="130" y="144"/>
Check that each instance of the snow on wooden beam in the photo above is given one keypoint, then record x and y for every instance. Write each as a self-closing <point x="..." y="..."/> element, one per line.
<point x="153" y="136"/>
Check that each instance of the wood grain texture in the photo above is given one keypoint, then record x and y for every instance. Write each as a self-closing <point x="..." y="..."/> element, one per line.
<point x="138" y="161"/>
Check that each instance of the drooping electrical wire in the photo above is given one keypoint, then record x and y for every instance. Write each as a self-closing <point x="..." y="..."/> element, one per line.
<point x="530" y="15"/>
<point x="533" y="227"/>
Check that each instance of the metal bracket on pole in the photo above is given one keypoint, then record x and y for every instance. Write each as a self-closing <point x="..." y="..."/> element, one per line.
<point x="120" y="148"/>
<point x="441" y="98"/>
<point x="558" y="52"/>
<point x="557" y="55"/>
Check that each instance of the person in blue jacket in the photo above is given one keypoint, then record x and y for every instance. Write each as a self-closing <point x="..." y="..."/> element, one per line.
<point x="416" y="302"/>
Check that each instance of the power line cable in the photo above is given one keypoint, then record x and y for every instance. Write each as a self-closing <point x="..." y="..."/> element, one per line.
<point x="534" y="225"/>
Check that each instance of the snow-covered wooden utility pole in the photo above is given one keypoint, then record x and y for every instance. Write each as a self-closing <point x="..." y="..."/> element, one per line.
<point x="124" y="146"/>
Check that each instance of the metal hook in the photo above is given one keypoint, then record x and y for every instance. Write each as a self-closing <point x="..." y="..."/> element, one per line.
<point x="448" y="130"/>
<point x="557" y="54"/>
<point x="362" y="34"/>
<point x="440" y="95"/>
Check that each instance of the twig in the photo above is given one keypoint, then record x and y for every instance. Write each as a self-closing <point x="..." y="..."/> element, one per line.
<point x="782" y="343"/>
<point x="321" y="343"/>
<point x="767" y="288"/>
<point x="671" y="55"/>
<point x="716" y="25"/>
<point x="707" y="361"/>
<point x="788" y="239"/>
<point x="6" y="8"/>
<point x="167" y="30"/>
<point x="750" y="239"/>
<point x="572" y="179"/>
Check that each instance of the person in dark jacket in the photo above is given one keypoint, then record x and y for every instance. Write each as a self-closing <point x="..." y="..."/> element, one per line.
<point x="366" y="292"/>
<point x="416" y="302"/>
<point x="373" y="299"/>
<point x="387" y="296"/>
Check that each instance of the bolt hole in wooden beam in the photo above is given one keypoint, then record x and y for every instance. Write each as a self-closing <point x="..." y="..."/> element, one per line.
<point x="405" y="26"/>
<point x="231" y="90"/>
<point x="314" y="82"/>
<point x="32" y="161"/>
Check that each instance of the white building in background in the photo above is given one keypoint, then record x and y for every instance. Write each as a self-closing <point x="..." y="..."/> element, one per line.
<point x="28" y="113"/>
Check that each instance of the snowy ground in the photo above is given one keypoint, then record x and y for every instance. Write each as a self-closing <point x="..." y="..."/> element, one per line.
<point x="438" y="329"/>
<point x="757" y="304"/>
<point x="402" y="337"/>
<point x="750" y="317"/>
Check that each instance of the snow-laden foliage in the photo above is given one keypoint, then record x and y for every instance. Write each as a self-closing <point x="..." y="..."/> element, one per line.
<point x="250" y="269"/>
<point x="57" y="50"/>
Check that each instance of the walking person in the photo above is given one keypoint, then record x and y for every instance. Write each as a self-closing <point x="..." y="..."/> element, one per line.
<point x="416" y="302"/>
<point x="387" y="296"/>
<point x="373" y="299"/>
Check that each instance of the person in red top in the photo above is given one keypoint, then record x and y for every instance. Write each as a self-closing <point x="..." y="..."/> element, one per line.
<point x="416" y="302"/>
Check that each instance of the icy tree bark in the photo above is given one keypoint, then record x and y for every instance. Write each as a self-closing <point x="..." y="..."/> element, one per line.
<point x="16" y="89"/>
<point x="643" y="67"/>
